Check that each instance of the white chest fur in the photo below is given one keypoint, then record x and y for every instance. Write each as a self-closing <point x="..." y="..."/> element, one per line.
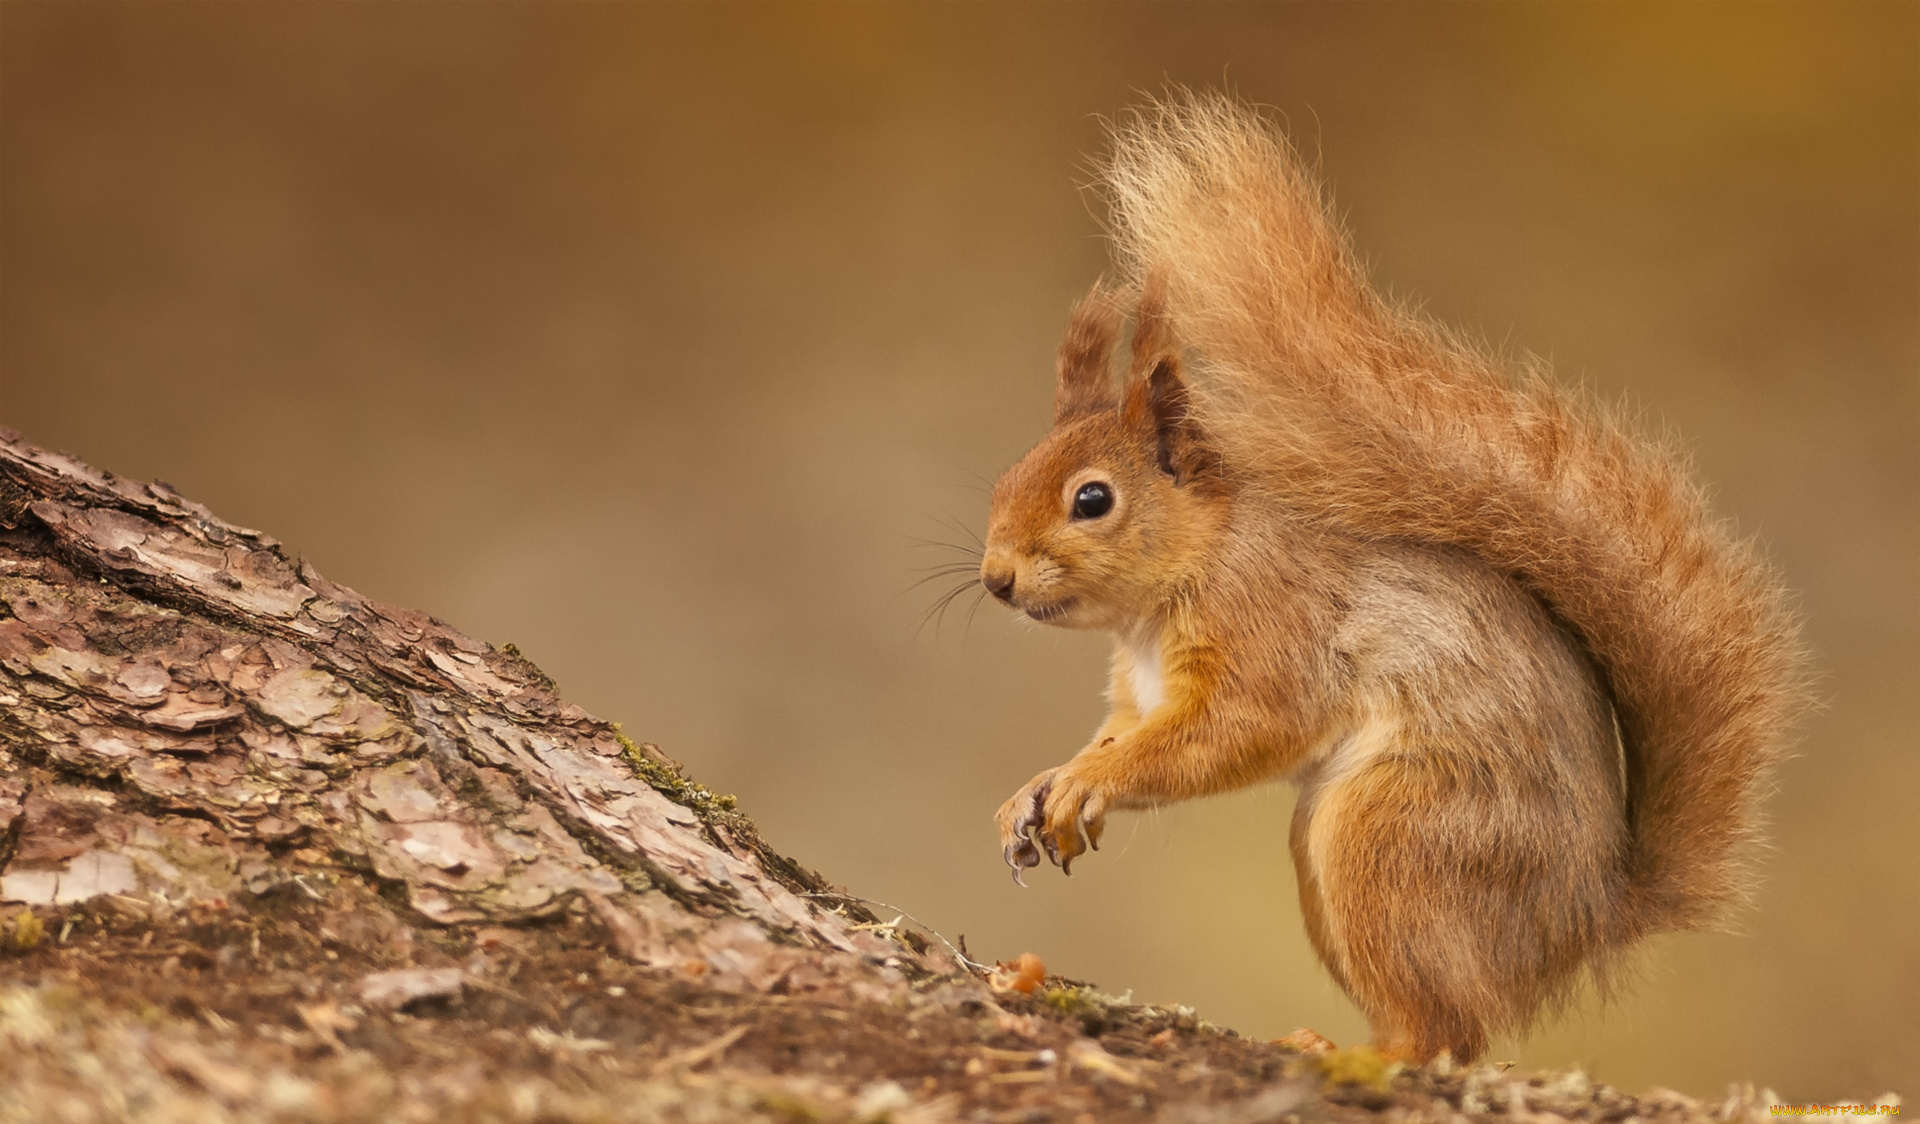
<point x="1145" y="674"/>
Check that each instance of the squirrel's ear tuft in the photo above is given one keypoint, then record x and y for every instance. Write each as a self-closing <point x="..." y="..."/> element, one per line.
<point x="1086" y="384"/>
<point x="1152" y="331"/>
<point x="1158" y="407"/>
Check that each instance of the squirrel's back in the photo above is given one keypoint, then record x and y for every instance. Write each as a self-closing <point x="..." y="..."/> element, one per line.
<point x="1379" y="424"/>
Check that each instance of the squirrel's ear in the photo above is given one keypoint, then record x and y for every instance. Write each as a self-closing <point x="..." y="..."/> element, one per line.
<point x="1085" y="383"/>
<point x="1158" y="407"/>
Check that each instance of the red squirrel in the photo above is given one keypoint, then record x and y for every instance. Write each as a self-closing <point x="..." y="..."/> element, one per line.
<point x="1530" y="689"/>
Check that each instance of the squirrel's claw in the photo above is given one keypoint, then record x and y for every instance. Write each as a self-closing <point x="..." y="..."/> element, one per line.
<point x="1022" y="854"/>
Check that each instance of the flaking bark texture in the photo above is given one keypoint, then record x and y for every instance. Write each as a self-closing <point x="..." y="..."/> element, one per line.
<point x="186" y="715"/>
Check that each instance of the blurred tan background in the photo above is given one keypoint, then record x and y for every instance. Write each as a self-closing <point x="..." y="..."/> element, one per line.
<point x="651" y="338"/>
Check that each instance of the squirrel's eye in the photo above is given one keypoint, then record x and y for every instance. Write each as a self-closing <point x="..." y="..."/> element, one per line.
<point x="1092" y="501"/>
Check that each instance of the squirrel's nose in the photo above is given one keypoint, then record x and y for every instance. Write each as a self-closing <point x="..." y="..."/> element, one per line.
<point x="999" y="583"/>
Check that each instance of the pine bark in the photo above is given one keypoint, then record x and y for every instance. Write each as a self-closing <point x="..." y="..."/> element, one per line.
<point x="189" y="715"/>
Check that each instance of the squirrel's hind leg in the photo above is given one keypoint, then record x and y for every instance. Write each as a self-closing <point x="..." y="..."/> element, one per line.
<point x="1378" y="926"/>
<point x="1422" y="906"/>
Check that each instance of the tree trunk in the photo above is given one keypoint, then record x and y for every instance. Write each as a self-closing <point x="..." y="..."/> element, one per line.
<point x="186" y="714"/>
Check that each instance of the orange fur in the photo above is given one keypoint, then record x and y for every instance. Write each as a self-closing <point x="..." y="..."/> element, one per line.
<point x="1529" y="687"/>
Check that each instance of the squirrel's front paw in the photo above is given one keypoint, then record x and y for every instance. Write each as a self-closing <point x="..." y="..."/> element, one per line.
<point x="1020" y="816"/>
<point x="1056" y="811"/>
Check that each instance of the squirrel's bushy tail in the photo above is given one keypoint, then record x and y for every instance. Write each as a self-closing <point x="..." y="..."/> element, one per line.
<point x="1355" y="412"/>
